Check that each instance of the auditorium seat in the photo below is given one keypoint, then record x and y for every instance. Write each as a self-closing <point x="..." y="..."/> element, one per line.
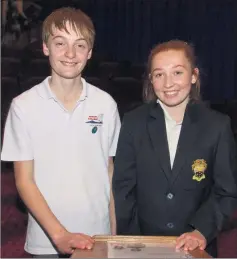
<point x="127" y="88"/>
<point x="27" y="83"/>
<point x="34" y="50"/>
<point x="124" y="68"/>
<point x="37" y="53"/>
<point x="108" y="70"/>
<point x="10" y="66"/>
<point x="94" y="81"/>
<point x="125" y="91"/>
<point x="11" y="52"/>
<point x="36" y="68"/>
<point x="10" y="89"/>
<point x="91" y="69"/>
<point x="138" y="71"/>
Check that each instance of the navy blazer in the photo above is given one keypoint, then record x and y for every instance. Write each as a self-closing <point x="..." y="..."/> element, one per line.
<point x="199" y="192"/>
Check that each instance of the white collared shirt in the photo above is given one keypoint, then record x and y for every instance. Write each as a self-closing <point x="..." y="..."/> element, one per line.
<point x="173" y="131"/>
<point x="70" y="152"/>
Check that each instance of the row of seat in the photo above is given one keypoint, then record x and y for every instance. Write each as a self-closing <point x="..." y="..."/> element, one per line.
<point x="40" y="67"/>
<point x="125" y="90"/>
<point x="123" y="80"/>
<point x="21" y="71"/>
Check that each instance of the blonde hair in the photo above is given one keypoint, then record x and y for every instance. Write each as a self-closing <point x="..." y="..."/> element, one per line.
<point x="148" y="91"/>
<point x="79" y="21"/>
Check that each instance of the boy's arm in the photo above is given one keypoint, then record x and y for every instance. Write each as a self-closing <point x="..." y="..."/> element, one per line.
<point x="111" y="204"/>
<point x="33" y="198"/>
<point x="66" y="242"/>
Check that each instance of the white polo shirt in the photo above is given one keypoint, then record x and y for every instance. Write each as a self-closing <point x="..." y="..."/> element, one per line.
<point x="173" y="131"/>
<point x="70" y="152"/>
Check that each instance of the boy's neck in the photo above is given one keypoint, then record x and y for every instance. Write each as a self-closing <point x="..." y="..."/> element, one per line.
<point x="67" y="91"/>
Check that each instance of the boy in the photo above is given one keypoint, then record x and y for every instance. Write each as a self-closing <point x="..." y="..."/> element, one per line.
<point x="62" y="135"/>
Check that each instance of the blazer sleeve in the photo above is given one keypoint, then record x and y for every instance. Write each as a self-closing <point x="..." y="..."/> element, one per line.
<point x="124" y="183"/>
<point x="216" y="210"/>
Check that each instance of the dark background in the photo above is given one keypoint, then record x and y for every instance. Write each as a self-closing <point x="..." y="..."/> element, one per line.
<point x="128" y="29"/>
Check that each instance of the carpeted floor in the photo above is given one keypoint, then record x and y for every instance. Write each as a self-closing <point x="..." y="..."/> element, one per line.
<point x="13" y="223"/>
<point x="13" y="220"/>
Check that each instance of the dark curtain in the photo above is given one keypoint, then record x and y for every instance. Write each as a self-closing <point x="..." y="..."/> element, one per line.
<point x="127" y="30"/>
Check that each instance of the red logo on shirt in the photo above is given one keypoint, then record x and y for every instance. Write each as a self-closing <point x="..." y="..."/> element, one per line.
<point x="94" y="118"/>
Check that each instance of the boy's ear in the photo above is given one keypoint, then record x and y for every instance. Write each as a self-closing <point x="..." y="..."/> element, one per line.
<point x="45" y="49"/>
<point x="89" y="54"/>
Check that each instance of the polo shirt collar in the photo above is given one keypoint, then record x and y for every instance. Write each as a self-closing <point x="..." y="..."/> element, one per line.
<point x="84" y="93"/>
<point x="45" y="91"/>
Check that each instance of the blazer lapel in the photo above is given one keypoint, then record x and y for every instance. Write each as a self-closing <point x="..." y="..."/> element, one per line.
<point x="188" y="135"/>
<point x="158" y="136"/>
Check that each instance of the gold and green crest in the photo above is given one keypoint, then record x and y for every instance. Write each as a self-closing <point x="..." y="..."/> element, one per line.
<point x="199" y="167"/>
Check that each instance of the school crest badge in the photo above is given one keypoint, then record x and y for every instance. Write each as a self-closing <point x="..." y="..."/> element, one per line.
<point x="199" y="167"/>
<point x="95" y="122"/>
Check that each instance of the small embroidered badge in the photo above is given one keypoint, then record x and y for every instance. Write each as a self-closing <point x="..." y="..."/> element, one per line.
<point x="199" y="167"/>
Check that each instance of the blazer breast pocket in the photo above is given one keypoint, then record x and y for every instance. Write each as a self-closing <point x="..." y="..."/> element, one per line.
<point x="193" y="185"/>
<point x="196" y="179"/>
<point x="198" y="168"/>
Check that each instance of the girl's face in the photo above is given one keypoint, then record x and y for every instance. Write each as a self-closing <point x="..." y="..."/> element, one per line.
<point x="172" y="77"/>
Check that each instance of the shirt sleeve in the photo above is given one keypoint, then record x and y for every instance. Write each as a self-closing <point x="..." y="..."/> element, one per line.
<point x="114" y="129"/>
<point x="17" y="144"/>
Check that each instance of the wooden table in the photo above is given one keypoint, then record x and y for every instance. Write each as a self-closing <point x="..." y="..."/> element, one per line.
<point x="100" y="249"/>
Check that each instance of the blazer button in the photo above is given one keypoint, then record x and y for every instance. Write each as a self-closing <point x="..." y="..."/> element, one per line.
<point x="170" y="225"/>
<point x="170" y="196"/>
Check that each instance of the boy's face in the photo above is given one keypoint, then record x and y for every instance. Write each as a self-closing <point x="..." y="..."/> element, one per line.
<point x="68" y="52"/>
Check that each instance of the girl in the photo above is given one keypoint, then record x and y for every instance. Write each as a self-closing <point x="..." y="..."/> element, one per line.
<point x="175" y="165"/>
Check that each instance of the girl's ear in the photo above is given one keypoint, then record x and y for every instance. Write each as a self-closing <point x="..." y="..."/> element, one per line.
<point x="195" y="75"/>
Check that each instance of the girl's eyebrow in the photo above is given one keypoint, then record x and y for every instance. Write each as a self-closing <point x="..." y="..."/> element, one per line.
<point x="158" y="69"/>
<point x="179" y="66"/>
